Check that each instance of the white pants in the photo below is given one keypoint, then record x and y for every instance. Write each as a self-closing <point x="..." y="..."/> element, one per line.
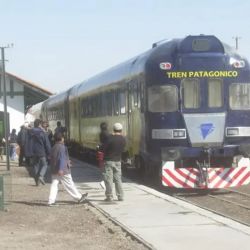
<point x="68" y="185"/>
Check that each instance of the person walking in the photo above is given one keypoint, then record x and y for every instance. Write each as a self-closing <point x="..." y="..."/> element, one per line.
<point x="60" y="129"/>
<point x="60" y="169"/>
<point x="103" y="137"/>
<point x="113" y="149"/>
<point x="40" y="151"/>
<point x="48" y="131"/>
<point x="13" y="144"/>
<point x="2" y="147"/>
<point x="21" y="139"/>
<point x="28" y="148"/>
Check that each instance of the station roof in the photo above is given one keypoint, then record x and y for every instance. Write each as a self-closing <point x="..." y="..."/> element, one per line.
<point x="33" y="93"/>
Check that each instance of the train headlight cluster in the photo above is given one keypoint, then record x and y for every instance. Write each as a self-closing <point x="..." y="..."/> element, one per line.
<point x="238" y="131"/>
<point x="168" y="134"/>
<point x="237" y="63"/>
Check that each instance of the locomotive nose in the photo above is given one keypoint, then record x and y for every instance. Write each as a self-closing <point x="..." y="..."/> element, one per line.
<point x="170" y="154"/>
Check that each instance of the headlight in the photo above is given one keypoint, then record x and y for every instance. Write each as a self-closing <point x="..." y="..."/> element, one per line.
<point x="179" y="133"/>
<point x="237" y="63"/>
<point x="232" y="132"/>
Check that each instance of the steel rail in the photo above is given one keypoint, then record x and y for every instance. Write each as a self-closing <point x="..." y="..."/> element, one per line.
<point x="229" y="201"/>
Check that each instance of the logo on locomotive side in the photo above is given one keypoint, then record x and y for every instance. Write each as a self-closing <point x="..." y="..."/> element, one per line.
<point x="190" y="74"/>
<point x="165" y="65"/>
<point x="206" y="129"/>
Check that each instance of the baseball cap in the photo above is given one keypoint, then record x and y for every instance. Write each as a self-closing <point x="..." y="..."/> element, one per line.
<point x="117" y="126"/>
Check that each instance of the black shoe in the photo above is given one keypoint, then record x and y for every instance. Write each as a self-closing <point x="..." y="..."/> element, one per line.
<point x="108" y="199"/>
<point x="83" y="198"/>
<point x="37" y="182"/>
<point x="41" y="180"/>
<point x="120" y="199"/>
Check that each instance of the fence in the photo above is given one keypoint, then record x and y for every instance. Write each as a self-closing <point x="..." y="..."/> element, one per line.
<point x="5" y="189"/>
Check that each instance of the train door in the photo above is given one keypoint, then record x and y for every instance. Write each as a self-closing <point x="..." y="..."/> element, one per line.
<point x="67" y="115"/>
<point x="134" y="124"/>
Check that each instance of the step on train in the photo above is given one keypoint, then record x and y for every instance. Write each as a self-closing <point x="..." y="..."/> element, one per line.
<point x="185" y="108"/>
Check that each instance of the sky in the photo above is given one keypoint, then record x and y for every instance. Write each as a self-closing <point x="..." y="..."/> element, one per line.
<point x="60" y="43"/>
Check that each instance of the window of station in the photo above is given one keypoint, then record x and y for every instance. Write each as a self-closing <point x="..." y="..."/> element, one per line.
<point x="239" y="96"/>
<point x="162" y="98"/>
<point x="215" y="99"/>
<point x="191" y="93"/>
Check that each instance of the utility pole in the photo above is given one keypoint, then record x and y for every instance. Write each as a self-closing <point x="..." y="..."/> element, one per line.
<point x="236" y="38"/>
<point x="5" y="106"/>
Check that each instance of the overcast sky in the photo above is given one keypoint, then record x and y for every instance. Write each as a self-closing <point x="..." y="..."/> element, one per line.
<point x="59" y="43"/>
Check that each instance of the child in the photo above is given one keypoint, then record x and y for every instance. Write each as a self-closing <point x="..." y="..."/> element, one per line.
<point x="60" y="169"/>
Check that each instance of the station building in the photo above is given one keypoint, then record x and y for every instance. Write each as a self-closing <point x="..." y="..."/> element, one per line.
<point x="20" y="96"/>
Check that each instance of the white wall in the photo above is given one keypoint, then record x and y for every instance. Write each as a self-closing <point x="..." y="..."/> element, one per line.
<point x="15" y="105"/>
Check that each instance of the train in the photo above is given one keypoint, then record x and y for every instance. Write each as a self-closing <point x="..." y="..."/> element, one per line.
<point x="185" y="108"/>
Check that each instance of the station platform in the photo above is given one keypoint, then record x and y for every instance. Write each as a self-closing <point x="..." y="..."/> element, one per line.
<point x="159" y="220"/>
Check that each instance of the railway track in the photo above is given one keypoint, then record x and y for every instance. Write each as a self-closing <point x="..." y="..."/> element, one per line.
<point x="229" y="203"/>
<point x="244" y="202"/>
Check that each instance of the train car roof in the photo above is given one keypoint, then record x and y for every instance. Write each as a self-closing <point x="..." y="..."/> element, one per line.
<point x="124" y="70"/>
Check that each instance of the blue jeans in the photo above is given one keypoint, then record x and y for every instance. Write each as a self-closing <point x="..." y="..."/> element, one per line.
<point x="40" y="166"/>
<point x="12" y="151"/>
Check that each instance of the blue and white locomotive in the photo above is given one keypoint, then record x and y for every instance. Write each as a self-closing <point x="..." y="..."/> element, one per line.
<point x="184" y="106"/>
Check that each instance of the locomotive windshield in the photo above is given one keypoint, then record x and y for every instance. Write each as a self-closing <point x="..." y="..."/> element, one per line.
<point x="192" y="93"/>
<point x="239" y="94"/>
<point x="163" y="98"/>
<point x="215" y="89"/>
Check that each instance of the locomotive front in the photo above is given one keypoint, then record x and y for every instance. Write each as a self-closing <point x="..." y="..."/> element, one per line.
<point x="200" y="115"/>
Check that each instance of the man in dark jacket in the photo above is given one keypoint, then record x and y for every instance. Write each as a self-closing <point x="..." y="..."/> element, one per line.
<point x="40" y="151"/>
<point x="21" y="138"/>
<point x="113" y="148"/>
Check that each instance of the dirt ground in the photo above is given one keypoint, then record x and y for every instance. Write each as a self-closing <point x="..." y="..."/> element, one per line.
<point x="28" y="223"/>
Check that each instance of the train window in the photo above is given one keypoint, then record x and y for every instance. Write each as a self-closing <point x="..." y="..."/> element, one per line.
<point x="191" y="93"/>
<point x="122" y="99"/>
<point x="135" y="95"/>
<point x="214" y="93"/>
<point x="93" y="104"/>
<point x="239" y="96"/>
<point x="104" y="105"/>
<point x="109" y="102"/>
<point x="116" y="102"/>
<point x="83" y="108"/>
<point x="162" y="98"/>
<point x="98" y="105"/>
<point x="75" y="108"/>
<point x="141" y="96"/>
